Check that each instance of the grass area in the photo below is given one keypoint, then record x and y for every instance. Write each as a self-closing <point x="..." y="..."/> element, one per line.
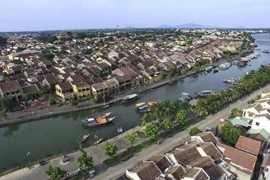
<point x="135" y="149"/>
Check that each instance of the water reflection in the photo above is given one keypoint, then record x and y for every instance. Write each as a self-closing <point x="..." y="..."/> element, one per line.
<point x="10" y="130"/>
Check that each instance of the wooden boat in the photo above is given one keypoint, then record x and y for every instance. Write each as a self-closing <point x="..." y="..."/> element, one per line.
<point x="215" y="71"/>
<point x="204" y="93"/>
<point x="145" y="107"/>
<point x="105" y="106"/>
<point x="119" y="130"/>
<point x="106" y="115"/>
<point x="266" y="52"/>
<point x="84" y="138"/>
<point x="92" y="118"/>
<point x="130" y="98"/>
<point x="98" y="141"/>
<point x="99" y="121"/>
<point x="225" y="66"/>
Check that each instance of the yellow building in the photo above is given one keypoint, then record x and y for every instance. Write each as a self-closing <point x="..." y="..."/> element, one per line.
<point x="81" y="89"/>
<point x="64" y="91"/>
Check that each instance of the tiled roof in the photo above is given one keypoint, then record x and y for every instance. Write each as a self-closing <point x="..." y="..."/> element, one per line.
<point x="65" y="85"/>
<point x="161" y="161"/>
<point x="215" y="172"/>
<point x="238" y="157"/>
<point x="178" y="172"/>
<point x="30" y="89"/>
<point x="211" y="150"/>
<point x="186" y="154"/>
<point x="204" y="162"/>
<point x="147" y="170"/>
<point x="207" y="137"/>
<point x="249" y="145"/>
<point x="10" y="86"/>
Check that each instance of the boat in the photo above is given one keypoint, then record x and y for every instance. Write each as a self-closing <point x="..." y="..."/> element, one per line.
<point x="242" y="63"/>
<point x="84" y="138"/>
<point x="209" y="69"/>
<point x="99" y="121"/>
<point x="98" y="141"/>
<point x="266" y="51"/>
<point x="187" y="95"/>
<point x="144" y="107"/>
<point x="204" y="93"/>
<point x="225" y="65"/>
<point x="106" y="115"/>
<point x="215" y="71"/>
<point x="130" y="98"/>
<point x="105" y="106"/>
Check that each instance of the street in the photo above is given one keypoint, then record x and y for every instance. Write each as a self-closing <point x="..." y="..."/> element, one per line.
<point x="38" y="172"/>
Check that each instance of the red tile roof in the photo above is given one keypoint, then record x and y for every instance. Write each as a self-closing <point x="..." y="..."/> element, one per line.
<point x="238" y="157"/>
<point x="249" y="145"/>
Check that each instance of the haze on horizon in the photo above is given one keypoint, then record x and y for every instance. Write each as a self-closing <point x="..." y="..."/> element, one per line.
<point x="30" y="15"/>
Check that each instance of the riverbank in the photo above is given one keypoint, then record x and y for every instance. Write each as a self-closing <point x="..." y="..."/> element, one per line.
<point x="25" y="116"/>
<point x="39" y="172"/>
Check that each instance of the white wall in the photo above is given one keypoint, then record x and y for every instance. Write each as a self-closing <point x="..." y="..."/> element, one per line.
<point x="264" y="123"/>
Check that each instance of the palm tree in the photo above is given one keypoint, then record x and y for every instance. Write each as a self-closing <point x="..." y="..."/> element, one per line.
<point x="55" y="173"/>
<point x="85" y="162"/>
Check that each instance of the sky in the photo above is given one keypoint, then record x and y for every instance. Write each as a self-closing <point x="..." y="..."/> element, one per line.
<point x="29" y="15"/>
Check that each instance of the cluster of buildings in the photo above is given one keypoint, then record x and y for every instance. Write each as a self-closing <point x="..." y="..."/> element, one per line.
<point x="98" y="66"/>
<point x="203" y="157"/>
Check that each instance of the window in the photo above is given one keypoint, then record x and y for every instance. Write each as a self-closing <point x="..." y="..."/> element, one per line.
<point x="257" y="124"/>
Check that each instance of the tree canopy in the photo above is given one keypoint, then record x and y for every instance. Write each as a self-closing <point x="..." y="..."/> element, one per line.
<point x="85" y="162"/>
<point x="110" y="149"/>
<point x="130" y="138"/>
<point x="7" y="104"/>
<point x="235" y="113"/>
<point x="166" y="125"/>
<point x="194" y="130"/>
<point x="230" y="133"/>
<point x="151" y="131"/>
<point x="181" y="117"/>
<point x="55" y="173"/>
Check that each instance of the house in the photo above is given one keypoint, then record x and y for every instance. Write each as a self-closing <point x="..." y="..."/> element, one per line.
<point x="248" y="145"/>
<point x="178" y="172"/>
<point x="81" y="89"/>
<point x="252" y="110"/>
<point x="242" y="163"/>
<point x="64" y="91"/>
<point x="261" y="121"/>
<point x="124" y="81"/>
<point x="11" y="89"/>
<point x="205" y="137"/>
<point x="143" y="171"/>
<point x="23" y="54"/>
<point x="49" y="82"/>
<point x="161" y="161"/>
<point x="45" y="63"/>
<point x="31" y="89"/>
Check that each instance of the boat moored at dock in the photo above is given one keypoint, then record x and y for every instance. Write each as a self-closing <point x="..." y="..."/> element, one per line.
<point x="209" y="69"/>
<point x="205" y="93"/>
<point x="144" y="107"/>
<point x="130" y="98"/>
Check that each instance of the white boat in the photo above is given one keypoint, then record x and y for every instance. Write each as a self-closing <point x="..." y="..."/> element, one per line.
<point x="105" y="106"/>
<point x="225" y="66"/>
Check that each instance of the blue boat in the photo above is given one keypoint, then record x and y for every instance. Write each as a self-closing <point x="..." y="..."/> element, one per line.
<point x="209" y="69"/>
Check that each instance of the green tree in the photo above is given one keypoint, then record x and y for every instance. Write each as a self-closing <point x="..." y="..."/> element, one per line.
<point x="47" y="55"/>
<point x="230" y="133"/>
<point x="110" y="149"/>
<point x="235" y="113"/>
<point x="85" y="162"/>
<point x="130" y="138"/>
<point x="19" y="49"/>
<point x="7" y="104"/>
<point x="193" y="131"/>
<point x="3" y="113"/>
<point x="146" y="118"/>
<point x="181" y="117"/>
<point x="166" y="125"/>
<point x="3" y="41"/>
<point x="151" y="131"/>
<point x="55" y="173"/>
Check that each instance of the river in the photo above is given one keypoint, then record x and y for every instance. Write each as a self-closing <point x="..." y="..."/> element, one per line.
<point x="54" y="135"/>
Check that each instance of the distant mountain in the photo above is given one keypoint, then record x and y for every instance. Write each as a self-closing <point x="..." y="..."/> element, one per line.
<point x="129" y="27"/>
<point x="241" y="27"/>
<point x="188" y="26"/>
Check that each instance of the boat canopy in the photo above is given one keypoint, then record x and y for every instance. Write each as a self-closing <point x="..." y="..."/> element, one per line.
<point x="185" y="94"/>
<point x="151" y="103"/>
<point x="131" y="96"/>
<point x="140" y="104"/>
